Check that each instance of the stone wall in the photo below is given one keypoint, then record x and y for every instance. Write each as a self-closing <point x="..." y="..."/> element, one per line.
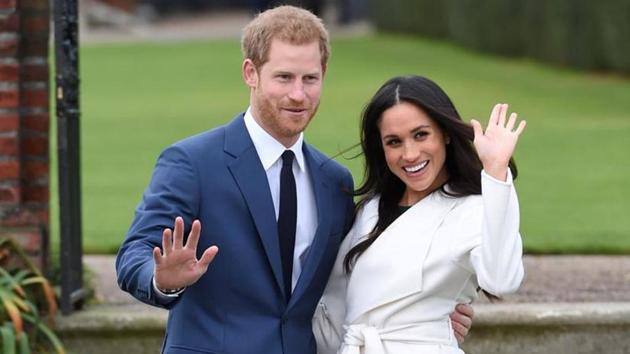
<point x="545" y="328"/>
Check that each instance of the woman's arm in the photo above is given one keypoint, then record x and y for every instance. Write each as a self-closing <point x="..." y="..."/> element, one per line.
<point x="498" y="260"/>
<point x="330" y="312"/>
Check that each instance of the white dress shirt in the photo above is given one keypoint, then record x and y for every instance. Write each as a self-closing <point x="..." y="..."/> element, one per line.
<point x="270" y="153"/>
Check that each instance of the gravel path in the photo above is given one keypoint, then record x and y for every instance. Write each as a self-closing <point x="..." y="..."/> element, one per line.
<point x="574" y="279"/>
<point x="547" y="279"/>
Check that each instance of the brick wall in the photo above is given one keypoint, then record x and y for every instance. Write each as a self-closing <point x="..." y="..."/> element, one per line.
<point x="24" y="123"/>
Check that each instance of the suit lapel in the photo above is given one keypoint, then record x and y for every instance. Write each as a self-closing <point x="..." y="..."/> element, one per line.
<point x="251" y="179"/>
<point x="323" y="204"/>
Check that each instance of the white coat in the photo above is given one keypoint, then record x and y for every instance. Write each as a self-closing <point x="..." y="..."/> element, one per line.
<point x="399" y="295"/>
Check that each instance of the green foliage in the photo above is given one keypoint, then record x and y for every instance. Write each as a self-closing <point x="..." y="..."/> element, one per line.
<point x="489" y="25"/>
<point x="23" y="293"/>
<point x="422" y="16"/>
<point x="565" y="32"/>
<point x="578" y="33"/>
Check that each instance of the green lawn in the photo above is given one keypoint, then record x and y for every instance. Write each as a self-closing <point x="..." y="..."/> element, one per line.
<point x="573" y="158"/>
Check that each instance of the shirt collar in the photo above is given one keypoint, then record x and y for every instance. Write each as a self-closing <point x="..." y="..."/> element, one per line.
<point x="268" y="148"/>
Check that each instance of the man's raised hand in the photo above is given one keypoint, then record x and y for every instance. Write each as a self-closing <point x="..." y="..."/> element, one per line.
<point x="177" y="265"/>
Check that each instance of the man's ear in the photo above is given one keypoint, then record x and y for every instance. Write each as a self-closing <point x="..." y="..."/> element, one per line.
<point x="250" y="73"/>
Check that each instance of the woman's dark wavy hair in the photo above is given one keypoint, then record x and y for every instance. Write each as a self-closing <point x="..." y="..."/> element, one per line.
<point x="462" y="162"/>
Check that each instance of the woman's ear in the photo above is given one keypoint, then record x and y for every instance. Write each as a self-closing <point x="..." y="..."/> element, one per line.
<point x="250" y="73"/>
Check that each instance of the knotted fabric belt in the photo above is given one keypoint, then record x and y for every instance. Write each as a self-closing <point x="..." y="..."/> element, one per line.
<point x="371" y="338"/>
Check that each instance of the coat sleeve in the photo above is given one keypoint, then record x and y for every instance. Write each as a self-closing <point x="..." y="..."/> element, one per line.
<point x="498" y="260"/>
<point x="330" y="312"/>
<point x="173" y="191"/>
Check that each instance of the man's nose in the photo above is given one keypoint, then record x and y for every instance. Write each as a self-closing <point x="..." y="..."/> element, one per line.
<point x="297" y="92"/>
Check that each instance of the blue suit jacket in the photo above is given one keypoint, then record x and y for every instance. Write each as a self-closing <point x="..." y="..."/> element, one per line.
<point x="238" y="306"/>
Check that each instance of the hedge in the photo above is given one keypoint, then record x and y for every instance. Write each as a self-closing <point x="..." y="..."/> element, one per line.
<point x="583" y="34"/>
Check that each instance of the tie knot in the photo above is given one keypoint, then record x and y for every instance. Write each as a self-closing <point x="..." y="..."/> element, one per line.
<point x="287" y="158"/>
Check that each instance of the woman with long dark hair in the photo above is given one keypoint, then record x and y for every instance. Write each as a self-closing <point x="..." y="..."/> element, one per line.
<point x="437" y="220"/>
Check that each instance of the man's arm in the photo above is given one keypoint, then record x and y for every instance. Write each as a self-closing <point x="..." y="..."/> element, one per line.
<point x="173" y="191"/>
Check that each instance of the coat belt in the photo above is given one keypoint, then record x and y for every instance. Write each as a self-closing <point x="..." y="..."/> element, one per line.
<point x="361" y="338"/>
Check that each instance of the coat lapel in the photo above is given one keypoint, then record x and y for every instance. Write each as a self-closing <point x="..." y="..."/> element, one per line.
<point x="251" y="179"/>
<point x="323" y="204"/>
<point x="392" y="266"/>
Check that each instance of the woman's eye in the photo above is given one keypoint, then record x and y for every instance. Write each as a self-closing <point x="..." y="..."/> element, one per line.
<point x="421" y="134"/>
<point x="392" y="142"/>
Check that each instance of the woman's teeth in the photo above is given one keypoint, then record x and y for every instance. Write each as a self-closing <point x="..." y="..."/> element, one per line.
<point x="416" y="168"/>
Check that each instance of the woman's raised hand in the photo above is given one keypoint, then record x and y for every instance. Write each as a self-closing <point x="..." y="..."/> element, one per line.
<point x="496" y="145"/>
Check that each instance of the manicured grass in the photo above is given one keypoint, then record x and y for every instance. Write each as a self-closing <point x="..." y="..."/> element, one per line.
<point x="573" y="158"/>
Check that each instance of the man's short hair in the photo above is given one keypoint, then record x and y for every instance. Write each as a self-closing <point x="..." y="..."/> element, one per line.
<point x="289" y="24"/>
